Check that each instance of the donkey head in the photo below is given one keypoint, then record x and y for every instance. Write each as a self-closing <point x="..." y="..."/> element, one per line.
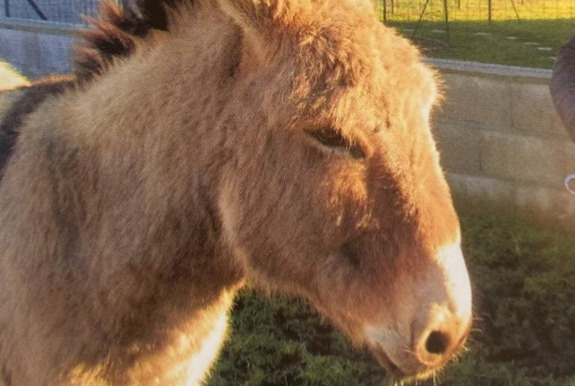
<point x="334" y="190"/>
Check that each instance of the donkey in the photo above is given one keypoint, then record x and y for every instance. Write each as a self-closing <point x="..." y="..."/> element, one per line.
<point x="563" y="86"/>
<point x="563" y="93"/>
<point x="200" y="145"/>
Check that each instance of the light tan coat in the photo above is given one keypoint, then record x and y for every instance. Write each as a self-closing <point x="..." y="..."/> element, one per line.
<point x="286" y="143"/>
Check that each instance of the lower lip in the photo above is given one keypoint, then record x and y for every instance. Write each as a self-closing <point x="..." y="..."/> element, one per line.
<point x="395" y="372"/>
<point x="387" y="363"/>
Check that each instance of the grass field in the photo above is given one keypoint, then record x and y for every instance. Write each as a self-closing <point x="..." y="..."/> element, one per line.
<point x="524" y="333"/>
<point x="528" y="34"/>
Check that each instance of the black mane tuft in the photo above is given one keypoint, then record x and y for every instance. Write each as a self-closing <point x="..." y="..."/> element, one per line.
<point x="115" y="32"/>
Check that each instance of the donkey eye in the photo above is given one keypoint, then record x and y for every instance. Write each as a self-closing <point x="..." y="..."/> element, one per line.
<point x="332" y="138"/>
<point x="350" y="253"/>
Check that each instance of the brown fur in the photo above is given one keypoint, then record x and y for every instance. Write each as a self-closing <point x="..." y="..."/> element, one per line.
<point x="19" y="104"/>
<point x="285" y="143"/>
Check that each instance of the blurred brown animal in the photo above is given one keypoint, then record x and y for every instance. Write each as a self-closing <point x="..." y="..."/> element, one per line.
<point x="562" y="89"/>
<point x="203" y="144"/>
<point x="563" y="86"/>
<point x="10" y="78"/>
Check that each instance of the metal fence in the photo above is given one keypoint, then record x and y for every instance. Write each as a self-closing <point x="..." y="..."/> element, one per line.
<point x="53" y="11"/>
<point x="478" y="10"/>
<point x="71" y="11"/>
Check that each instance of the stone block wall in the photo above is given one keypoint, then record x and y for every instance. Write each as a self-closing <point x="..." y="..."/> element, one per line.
<point x="501" y="139"/>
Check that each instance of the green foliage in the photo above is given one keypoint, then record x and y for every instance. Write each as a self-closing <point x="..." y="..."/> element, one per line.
<point x="524" y="289"/>
<point x="524" y="297"/>
<point x="278" y="341"/>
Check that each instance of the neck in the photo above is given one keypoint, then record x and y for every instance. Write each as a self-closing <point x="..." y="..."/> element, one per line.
<point x="133" y="249"/>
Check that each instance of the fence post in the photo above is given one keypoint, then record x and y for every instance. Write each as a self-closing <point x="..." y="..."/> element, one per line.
<point x="7" y="8"/>
<point x="37" y="10"/>
<point x="384" y="10"/>
<point x="446" y="14"/>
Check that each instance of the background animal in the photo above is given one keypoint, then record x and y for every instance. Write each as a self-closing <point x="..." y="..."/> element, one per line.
<point x="203" y="144"/>
<point x="563" y="86"/>
<point x="563" y="94"/>
<point x="10" y="78"/>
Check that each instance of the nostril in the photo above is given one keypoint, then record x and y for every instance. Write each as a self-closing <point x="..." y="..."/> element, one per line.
<point x="437" y="343"/>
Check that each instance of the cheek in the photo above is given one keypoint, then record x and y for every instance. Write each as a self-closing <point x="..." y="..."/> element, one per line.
<point x="347" y="195"/>
<point x="269" y="213"/>
<point x="355" y="297"/>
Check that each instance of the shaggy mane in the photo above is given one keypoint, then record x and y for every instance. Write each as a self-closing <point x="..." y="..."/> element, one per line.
<point x="115" y="32"/>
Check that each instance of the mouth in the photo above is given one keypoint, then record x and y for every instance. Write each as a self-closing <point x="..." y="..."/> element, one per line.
<point x="387" y="363"/>
<point x="395" y="371"/>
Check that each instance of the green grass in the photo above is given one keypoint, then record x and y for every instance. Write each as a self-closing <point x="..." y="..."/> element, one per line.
<point x="528" y="35"/>
<point x="524" y="290"/>
<point x="531" y="43"/>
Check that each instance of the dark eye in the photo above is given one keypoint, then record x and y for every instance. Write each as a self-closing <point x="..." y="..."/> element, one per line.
<point x="332" y="138"/>
<point x="351" y="254"/>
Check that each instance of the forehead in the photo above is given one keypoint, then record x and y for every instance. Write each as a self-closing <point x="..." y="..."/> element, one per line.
<point x="341" y="56"/>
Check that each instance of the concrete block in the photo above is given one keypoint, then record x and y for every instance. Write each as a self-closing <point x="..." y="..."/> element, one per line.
<point x="36" y="54"/>
<point x="29" y="53"/>
<point x="532" y="201"/>
<point x="569" y="157"/>
<point x="460" y="148"/>
<point x="482" y="187"/>
<point x="522" y="159"/>
<point x="56" y="52"/>
<point x="11" y="43"/>
<point x="555" y="203"/>
<point x="533" y="112"/>
<point x="478" y="100"/>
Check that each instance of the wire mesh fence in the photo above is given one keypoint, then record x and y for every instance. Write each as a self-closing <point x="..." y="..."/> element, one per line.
<point x="479" y="10"/>
<point x="52" y="11"/>
<point x="71" y="11"/>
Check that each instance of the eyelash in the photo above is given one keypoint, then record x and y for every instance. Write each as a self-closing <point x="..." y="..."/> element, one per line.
<point x="331" y="138"/>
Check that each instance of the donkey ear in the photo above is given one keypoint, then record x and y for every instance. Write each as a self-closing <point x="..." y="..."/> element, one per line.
<point x="253" y="14"/>
<point x="258" y="19"/>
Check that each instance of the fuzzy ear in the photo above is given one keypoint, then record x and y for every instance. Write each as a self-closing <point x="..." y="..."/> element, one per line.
<point x="258" y="19"/>
<point x="259" y="13"/>
<point x="265" y="20"/>
<point x="253" y="14"/>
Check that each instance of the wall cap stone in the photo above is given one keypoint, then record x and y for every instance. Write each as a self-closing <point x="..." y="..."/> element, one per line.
<point x="515" y="73"/>
<point x="41" y="27"/>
